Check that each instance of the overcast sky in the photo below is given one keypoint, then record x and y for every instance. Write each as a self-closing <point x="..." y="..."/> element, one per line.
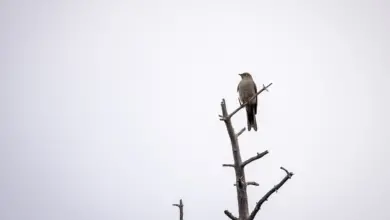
<point x="109" y="109"/>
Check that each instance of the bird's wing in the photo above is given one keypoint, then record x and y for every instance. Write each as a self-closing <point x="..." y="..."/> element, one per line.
<point x="255" y="98"/>
<point x="238" y="89"/>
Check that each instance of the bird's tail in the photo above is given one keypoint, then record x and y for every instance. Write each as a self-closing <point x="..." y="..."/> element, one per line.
<point x="251" y="117"/>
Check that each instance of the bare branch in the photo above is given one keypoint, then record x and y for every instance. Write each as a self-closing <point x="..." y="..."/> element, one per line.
<point x="241" y="184"/>
<point x="266" y="196"/>
<point x="258" y="156"/>
<point x="243" y="105"/>
<point x="227" y="165"/>
<point x="266" y="88"/>
<point x="242" y="131"/>
<point x="181" y="205"/>
<point x="230" y="215"/>
<point x="224" y="115"/>
<point x="249" y="183"/>
<point x="252" y="183"/>
<point x="243" y="211"/>
<point x="288" y="173"/>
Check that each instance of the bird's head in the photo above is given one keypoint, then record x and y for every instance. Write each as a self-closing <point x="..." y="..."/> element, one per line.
<point x="245" y="75"/>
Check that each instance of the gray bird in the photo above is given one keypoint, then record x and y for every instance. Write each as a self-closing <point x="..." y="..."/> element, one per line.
<point x="246" y="90"/>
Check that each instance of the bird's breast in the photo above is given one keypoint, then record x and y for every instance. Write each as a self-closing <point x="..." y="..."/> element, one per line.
<point x="246" y="90"/>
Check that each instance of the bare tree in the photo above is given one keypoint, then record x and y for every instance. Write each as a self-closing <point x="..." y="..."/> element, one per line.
<point x="239" y="165"/>
<point x="180" y="205"/>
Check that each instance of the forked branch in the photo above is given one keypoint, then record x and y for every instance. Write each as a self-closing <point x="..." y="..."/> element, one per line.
<point x="243" y="211"/>
<point x="258" y="156"/>
<point x="250" y="183"/>
<point x="180" y="205"/>
<point x="266" y="196"/>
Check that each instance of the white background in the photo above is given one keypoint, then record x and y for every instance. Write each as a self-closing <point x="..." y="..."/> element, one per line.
<point x="109" y="109"/>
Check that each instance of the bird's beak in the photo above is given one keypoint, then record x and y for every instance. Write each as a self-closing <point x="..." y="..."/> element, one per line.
<point x="240" y="74"/>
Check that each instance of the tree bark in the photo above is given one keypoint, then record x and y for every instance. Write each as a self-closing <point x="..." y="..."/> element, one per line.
<point x="242" y="197"/>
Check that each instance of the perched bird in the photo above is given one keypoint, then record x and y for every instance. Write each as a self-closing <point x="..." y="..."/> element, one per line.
<point x="246" y="90"/>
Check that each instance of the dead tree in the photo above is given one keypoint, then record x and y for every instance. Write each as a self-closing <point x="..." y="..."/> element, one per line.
<point x="180" y="205"/>
<point x="239" y="165"/>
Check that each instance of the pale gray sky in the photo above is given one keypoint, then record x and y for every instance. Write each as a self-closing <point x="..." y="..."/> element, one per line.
<point x="109" y="109"/>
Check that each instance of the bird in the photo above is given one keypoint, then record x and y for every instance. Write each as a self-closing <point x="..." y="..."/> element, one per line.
<point x="247" y="89"/>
